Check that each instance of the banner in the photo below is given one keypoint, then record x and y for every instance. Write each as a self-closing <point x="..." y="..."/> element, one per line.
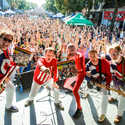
<point x="120" y="16"/>
<point x="19" y="50"/>
<point x="66" y="69"/>
<point x="21" y="56"/>
<point x="67" y="72"/>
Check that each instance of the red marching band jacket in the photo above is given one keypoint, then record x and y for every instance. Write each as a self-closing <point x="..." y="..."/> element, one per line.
<point x="39" y="76"/>
<point x="120" y="72"/>
<point x="80" y="63"/>
<point x="105" y="71"/>
<point x="80" y="67"/>
<point x="5" y="63"/>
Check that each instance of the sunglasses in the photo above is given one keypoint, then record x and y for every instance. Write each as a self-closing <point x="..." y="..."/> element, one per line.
<point x="7" y="40"/>
<point x="115" y="54"/>
<point x="7" y="37"/>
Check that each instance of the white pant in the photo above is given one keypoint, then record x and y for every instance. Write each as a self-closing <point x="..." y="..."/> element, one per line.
<point x="35" y="88"/>
<point x="121" y="101"/>
<point x="121" y="105"/>
<point x="104" y="103"/>
<point x="113" y="94"/>
<point x="10" y="89"/>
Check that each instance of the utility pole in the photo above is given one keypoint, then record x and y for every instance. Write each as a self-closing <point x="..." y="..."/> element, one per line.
<point x="2" y="5"/>
<point x="124" y="25"/>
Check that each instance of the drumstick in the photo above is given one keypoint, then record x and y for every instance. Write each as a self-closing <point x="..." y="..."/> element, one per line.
<point x="115" y="90"/>
<point x="2" y="87"/>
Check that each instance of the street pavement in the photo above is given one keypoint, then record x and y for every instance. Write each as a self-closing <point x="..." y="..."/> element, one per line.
<point x="44" y="112"/>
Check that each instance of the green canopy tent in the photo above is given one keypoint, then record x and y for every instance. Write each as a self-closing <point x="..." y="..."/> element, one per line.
<point x="78" y="19"/>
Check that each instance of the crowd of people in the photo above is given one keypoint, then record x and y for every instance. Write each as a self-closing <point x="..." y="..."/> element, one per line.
<point x="36" y="34"/>
<point x="53" y="39"/>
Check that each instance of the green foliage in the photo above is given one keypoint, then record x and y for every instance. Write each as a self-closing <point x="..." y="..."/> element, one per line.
<point x="21" y="4"/>
<point x="111" y="3"/>
<point x="67" y="6"/>
<point x="50" y="6"/>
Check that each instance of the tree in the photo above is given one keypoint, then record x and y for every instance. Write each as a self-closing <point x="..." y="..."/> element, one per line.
<point x="111" y="3"/>
<point x="50" y="6"/>
<point x="21" y="4"/>
<point x="69" y="6"/>
<point x="114" y="15"/>
<point x="13" y="3"/>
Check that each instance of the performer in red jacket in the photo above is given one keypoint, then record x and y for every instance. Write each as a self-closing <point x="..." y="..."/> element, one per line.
<point x="80" y="67"/>
<point x="98" y="71"/>
<point x="118" y="75"/>
<point x="45" y="73"/>
<point x="5" y="66"/>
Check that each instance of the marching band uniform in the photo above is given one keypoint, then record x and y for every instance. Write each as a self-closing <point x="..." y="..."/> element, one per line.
<point x="109" y="57"/>
<point x="41" y="78"/>
<point x="106" y="79"/>
<point x="119" y="83"/>
<point x="80" y="67"/>
<point x="113" y="95"/>
<point x="5" y="66"/>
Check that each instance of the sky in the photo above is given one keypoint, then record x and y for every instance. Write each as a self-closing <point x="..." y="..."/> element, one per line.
<point x="38" y="2"/>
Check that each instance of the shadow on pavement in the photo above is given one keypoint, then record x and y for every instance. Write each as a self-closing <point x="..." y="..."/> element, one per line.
<point x="7" y="118"/>
<point x="72" y="108"/>
<point x="25" y="94"/>
<point x="93" y="108"/>
<point x="32" y="115"/>
<point x="95" y="114"/>
<point x="79" y="121"/>
<point x="60" y="120"/>
<point x="21" y="95"/>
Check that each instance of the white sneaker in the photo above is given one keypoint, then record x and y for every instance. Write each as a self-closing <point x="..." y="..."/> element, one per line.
<point x="101" y="118"/>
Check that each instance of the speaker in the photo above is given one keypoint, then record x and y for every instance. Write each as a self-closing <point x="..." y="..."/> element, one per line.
<point x="27" y="79"/>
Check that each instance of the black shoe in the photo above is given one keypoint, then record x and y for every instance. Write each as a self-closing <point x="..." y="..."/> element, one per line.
<point x="77" y="114"/>
<point x="112" y="100"/>
<point x="89" y="85"/>
<point x="28" y="103"/>
<point x="98" y="89"/>
<point x="67" y="91"/>
<point x="59" y="106"/>
<point x="12" y="109"/>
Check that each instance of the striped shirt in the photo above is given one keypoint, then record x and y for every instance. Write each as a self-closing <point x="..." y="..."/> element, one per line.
<point x="105" y="71"/>
<point x="41" y="77"/>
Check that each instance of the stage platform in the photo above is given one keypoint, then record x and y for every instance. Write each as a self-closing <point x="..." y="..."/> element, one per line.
<point x="43" y="111"/>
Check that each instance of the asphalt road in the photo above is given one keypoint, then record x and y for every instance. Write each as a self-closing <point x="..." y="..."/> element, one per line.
<point x="44" y="112"/>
